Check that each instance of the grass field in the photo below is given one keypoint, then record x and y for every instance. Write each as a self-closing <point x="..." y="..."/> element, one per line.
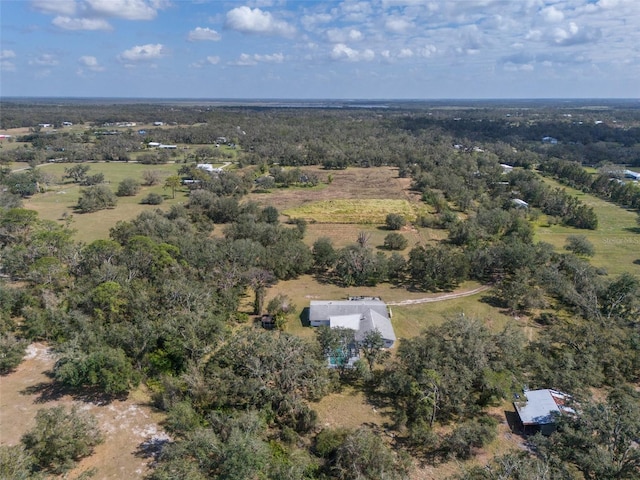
<point x="61" y="197"/>
<point x="367" y="211"/>
<point x="616" y="241"/>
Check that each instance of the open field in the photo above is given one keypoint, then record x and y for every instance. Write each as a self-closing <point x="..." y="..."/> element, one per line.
<point x="61" y="198"/>
<point x="616" y="241"/>
<point x="367" y="211"/>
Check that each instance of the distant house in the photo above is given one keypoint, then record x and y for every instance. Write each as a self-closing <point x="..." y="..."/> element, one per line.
<point x="167" y="147"/>
<point x="361" y="314"/>
<point x="506" y="168"/>
<point x="520" y="203"/>
<point x="45" y="125"/>
<point x="538" y="410"/>
<point x="207" y="167"/>
<point x="551" y="140"/>
<point x="158" y="124"/>
<point x="67" y="124"/>
<point x="153" y="144"/>
<point x="631" y="174"/>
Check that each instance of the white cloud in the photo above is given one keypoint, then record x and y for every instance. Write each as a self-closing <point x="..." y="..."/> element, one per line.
<point x="90" y="63"/>
<point x="398" y="25"/>
<point x="343" y="52"/>
<point x="427" y="51"/>
<point x="310" y="21"/>
<point x="213" y="60"/>
<point x="4" y="54"/>
<point x="67" y="23"/>
<point x="574" y="35"/>
<point x="5" y="64"/>
<point x="141" y="53"/>
<point x="248" y="20"/>
<point x="552" y="14"/>
<point x="201" y="34"/>
<point x="61" y="7"/>
<point x="46" y="59"/>
<point x="126" y="9"/>
<point x="405" y="53"/>
<point x="335" y="35"/>
<point x="246" y="60"/>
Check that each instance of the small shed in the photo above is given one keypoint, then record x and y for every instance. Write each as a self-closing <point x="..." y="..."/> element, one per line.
<point x="539" y="408"/>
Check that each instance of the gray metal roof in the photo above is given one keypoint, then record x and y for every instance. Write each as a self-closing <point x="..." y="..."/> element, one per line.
<point x="540" y="406"/>
<point x="373" y="315"/>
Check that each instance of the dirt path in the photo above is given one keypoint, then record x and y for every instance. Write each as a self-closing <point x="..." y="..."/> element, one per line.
<point x="131" y="427"/>
<point x="440" y="298"/>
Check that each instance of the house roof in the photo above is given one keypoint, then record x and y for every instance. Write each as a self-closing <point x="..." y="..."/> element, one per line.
<point x="540" y="406"/>
<point x="362" y="315"/>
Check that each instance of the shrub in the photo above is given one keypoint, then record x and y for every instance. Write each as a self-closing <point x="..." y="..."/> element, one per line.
<point x="60" y="438"/>
<point x="128" y="188"/>
<point x="97" y="197"/>
<point x="395" y="241"/>
<point x="395" y="221"/>
<point x="152" y="199"/>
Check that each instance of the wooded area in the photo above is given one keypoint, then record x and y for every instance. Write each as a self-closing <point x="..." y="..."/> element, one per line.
<point x="172" y="299"/>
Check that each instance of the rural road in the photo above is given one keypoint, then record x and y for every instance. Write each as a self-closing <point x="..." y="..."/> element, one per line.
<point x="439" y="298"/>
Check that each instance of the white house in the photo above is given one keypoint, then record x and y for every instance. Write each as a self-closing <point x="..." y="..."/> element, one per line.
<point x="361" y="314"/>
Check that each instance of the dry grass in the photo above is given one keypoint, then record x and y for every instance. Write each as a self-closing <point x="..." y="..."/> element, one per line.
<point x="367" y="211"/>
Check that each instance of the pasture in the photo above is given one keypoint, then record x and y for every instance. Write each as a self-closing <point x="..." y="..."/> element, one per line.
<point x="616" y="241"/>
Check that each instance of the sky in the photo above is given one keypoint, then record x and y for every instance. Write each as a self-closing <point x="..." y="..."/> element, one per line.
<point x="277" y="49"/>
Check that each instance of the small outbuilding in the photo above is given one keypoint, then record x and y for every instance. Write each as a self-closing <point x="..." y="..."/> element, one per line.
<point x="538" y="410"/>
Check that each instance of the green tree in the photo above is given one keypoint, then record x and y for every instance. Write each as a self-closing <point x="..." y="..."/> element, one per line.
<point x="364" y="455"/>
<point x="280" y="307"/>
<point x="173" y="182"/>
<point x="16" y="463"/>
<point x="580" y="245"/>
<point x="395" y="221"/>
<point x="60" y="438"/>
<point x="128" y="187"/>
<point x="601" y="440"/>
<point x="97" y="197"/>
<point x="395" y="241"/>
<point x="76" y="173"/>
<point x="11" y="352"/>
<point x="372" y="348"/>
<point x="324" y="255"/>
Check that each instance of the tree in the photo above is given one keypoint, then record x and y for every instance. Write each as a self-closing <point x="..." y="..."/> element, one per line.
<point x="173" y="182"/>
<point x="395" y="241"/>
<point x="77" y="173"/>
<point x="338" y="345"/>
<point x="580" y="245"/>
<point x="151" y="177"/>
<point x="372" y="348"/>
<point x="16" y="463"/>
<point x="364" y="455"/>
<point x="152" y="199"/>
<point x="11" y="352"/>
<point x="324" y="255"/>
<point x="128" y="187"/>
<point x="97" y="197"/>
<point x="395" y="221"/>
<point x="279" y="307"/>
<point x="60" y="438"/>
<point x="601" y="440"/>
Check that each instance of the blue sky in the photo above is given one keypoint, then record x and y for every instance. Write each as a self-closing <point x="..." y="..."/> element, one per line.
<point x="381" y="49"/>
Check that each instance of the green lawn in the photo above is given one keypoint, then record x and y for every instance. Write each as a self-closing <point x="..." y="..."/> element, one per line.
<point x="616" y="241"/>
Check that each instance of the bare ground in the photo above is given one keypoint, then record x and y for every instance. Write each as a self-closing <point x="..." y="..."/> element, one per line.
<point x="130" y="427"/>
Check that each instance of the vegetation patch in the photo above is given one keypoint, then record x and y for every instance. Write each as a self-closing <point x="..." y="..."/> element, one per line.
<point x="369" y="211"/>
